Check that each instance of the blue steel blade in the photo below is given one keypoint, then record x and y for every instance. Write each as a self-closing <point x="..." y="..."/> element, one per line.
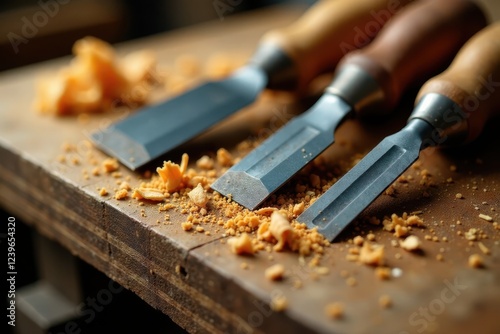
<point x="285" y="153"/>
<point x="154" y="131"/>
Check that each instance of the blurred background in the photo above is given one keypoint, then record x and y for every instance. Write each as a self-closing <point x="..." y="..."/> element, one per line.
<point x="51" y="26"/>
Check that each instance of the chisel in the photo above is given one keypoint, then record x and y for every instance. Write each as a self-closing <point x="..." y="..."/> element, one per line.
<point x="452" y="108"/>
<point x="418" y="41"/>
<point x="286" y="58"/>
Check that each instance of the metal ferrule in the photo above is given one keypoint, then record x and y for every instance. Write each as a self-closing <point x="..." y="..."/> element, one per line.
<point x="445" y="116"/>
<point x="358" y="88"/>
<point x="279" y="67"/>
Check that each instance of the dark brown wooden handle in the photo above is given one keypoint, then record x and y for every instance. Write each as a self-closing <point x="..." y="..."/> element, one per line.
<point x="473" y="80"/>
<point x="327" y="31"/>
<point x="416" y="43"/>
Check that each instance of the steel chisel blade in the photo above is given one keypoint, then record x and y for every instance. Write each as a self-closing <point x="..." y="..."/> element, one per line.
<point x="276" y="160"/>
<point x="158" y="129"/>
<point x="347" y="198"/>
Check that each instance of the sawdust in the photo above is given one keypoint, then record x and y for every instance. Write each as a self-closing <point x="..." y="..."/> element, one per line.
<point x="273" y="228"/>
<point x="186" y="191"/>
<point x="241" y="245"/>
<point x="476" y="261"/>
<point x="411" y="243"/>
<point x="275" y="272"/>
<point x="334" y="310"/>
<point x="279" y="303"/>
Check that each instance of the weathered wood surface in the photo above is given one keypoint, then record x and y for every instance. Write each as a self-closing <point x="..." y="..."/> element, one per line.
<point x="193" y="277"/>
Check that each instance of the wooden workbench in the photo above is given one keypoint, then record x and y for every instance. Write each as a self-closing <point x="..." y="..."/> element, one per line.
<point x="196" y="280"/>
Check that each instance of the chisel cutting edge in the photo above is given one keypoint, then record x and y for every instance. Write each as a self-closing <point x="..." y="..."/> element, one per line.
<point x="417" y="42"/>
<point x="292" y="56"/>
<point x="452" y="108"/>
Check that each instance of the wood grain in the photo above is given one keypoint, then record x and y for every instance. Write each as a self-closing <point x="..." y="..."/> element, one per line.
<point x="473" y="76"/>
<point x="313" y="41"/>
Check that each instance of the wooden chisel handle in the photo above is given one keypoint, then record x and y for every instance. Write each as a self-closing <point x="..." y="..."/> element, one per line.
<point x="414" y="45"/>
<point x="296" y="54"/>
<point x="460" y="101"/>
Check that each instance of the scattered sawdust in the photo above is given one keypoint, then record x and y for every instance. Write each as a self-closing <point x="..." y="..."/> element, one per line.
<point x="476" y="261"/>
<point x="335" y="310"/>
<point x="275" y="273"/>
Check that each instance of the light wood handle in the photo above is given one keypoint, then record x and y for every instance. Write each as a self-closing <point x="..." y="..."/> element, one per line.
<point x="473" y="80"/>
<point x="328" y="30"/>
<point x="419" y="41"/>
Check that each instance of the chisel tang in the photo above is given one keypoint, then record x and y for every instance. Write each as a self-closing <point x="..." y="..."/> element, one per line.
<point x="410" y="49"/>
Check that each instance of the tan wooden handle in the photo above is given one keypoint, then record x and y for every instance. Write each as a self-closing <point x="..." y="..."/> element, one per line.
<point x="328" y="30"/>
<point x="473" y="80"/>
<point x="419" y="41"/>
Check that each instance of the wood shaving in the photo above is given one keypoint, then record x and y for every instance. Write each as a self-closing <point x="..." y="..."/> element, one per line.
<point x="263" y="232"/>
<point x="335" y="310"/>
<point x="471" y="234"/>
<point x="372" y="254"/>
<point x="110" y="165"/>
<point x="298" y="208"/>
<point x="224" y="158"/>
<point x="370" y="237"/>
<point x="281" y="229"/>
<point x="275" y="272"/>
<point x="151" y="194"/>
<point x="279" y="304"/>
<point x="476" y="261"/>
<point x="400" y="231"/>
<point x="95" y="80"/>
<point x="199" y="196"/>
<point x="125" y="186"/>
<point x="358" y="240"/>
<point x="485" y="217"/>
<point x="383" y="273"/>
<point x="205" y="162"/>
<point x="103" y="192"/>
<point x="241" y="245"/>
<point x="322" y="270"/>
<point x="187" y="226"/>
<point x="121" y="194"/>
<point x="483" y="248"/>
<point x="265" y="211"/>
<point x="172" y="174"/>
